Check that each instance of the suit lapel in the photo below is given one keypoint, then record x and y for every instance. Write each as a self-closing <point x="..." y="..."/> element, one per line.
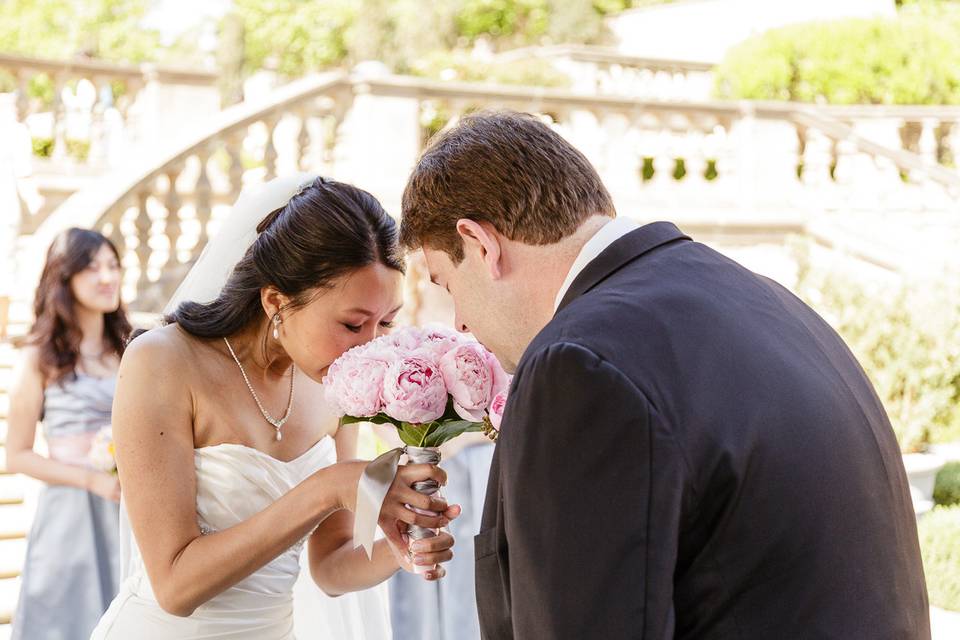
<point x="621" y="252"/>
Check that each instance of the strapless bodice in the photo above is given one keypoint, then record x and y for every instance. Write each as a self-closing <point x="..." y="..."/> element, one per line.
<point x="234" y="482"/>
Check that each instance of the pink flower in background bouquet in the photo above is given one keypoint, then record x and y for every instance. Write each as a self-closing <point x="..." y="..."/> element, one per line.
<point x="432" y="384"/>
<point x="102" y="454"/>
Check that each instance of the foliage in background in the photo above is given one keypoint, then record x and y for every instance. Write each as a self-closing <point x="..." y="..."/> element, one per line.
<point x="911" y="59"/>
<point x="104" y="29"/>
<point x="295" y="37"/>
<point x="460" y="66"/>
<point x="940" y="545"/>
<point x="946" y="492"/>
<point x="905" y="337"/>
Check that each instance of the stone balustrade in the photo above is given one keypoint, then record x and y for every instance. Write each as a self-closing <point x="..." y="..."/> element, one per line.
<point x="94" y="113"/>
<point x="605" y="71"/>
<point x="707" y="163"/>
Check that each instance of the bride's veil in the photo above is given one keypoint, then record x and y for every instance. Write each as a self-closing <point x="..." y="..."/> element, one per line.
<point x="362" y="615"/>
<point x="235" y="235"/>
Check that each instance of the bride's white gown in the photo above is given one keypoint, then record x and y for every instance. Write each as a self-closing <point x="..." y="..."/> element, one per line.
<point x="234" y="482"/>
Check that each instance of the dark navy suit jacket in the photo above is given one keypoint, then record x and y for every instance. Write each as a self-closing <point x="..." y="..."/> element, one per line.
<point x="689" y="451"/>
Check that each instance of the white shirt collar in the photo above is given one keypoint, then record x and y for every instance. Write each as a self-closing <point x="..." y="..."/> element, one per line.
<point x="603" y="238"/>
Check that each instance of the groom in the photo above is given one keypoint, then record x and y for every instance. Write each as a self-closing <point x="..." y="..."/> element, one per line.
<point x="688" y="450"/>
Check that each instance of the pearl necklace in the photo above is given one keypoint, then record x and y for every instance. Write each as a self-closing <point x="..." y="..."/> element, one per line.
<point x="276" y="424"/>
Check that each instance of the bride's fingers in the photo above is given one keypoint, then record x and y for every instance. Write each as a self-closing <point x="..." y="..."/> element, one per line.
<point x="453" y="511"/>
<point x="410" y="473"/>
<point x="418" y="500"/>
<point x="394" y="535"/>
<point x="400" y="512"/>
<point x="440" y="542"/>
<point x="429" y="559"/>
<point x="435" y="574"/>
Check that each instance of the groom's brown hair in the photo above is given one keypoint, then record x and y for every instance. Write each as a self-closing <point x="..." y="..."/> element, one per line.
<point x="505" y="168"/>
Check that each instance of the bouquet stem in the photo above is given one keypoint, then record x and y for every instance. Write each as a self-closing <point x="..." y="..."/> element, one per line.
<point x="423" y="455"/>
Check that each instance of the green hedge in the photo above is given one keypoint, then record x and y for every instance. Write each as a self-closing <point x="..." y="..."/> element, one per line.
<point x="911" y="59"/>
<point x="904" y="334"/>
<point x="940" y="544"/>
<point x="947" y="489"/>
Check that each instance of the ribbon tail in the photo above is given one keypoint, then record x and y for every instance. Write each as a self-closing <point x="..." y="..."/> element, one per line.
<point x="371" y="492"/>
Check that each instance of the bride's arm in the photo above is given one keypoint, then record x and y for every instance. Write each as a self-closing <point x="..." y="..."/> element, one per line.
<point x="153" y="432"/>
<point x="338" y="568"/>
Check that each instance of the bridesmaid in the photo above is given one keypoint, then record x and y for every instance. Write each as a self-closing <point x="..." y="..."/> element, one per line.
<point x="66" y="378"/>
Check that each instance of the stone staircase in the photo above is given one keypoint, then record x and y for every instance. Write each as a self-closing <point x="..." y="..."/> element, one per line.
<point x="17" y="503"/>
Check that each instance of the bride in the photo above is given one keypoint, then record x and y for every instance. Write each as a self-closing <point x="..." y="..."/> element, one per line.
<point x="227" y="463"/>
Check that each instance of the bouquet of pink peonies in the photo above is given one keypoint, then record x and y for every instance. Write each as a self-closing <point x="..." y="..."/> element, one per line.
<point x="433" y="385"/>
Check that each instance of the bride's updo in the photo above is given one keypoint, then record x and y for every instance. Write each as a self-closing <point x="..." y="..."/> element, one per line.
<point x="325" y="231"/>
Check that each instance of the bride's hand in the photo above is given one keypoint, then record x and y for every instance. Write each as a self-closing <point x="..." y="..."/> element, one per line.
<point x="427" y="552"/>
<point x="395" y="517"/>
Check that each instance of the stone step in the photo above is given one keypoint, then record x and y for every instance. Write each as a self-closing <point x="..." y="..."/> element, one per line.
<point x="12" y="486"/>
<point x="9" y="594"/>
<point x="15" y="521"/>
<point x="12" y="554"/>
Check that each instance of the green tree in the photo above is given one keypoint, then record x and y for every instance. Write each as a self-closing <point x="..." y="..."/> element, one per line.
<point x="105" y="29"/>
<point x="911" y="59"/>
<point x="295" y="36"/>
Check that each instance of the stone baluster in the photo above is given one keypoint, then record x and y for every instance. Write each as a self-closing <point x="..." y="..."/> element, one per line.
<point x="59" y="119"/>
<point x="723" y="148"/>
<point x="23" y="97"/>
<point x="203" y="193"/>
<point x="694" y="160"/>
<point x="233" y="144"/>
<point x="927" y="142"/>
<point x="944" y="136"/>
<point x="845" y="171"/>
<point x="98" y="129"/>
<point x="171" y="203"/>
<point x="303" y="141"/>
<point x="143" y="225"/>
<point x="817" y="158"/>
<point x="116" y="231"/>
<point x="270" y="149"/>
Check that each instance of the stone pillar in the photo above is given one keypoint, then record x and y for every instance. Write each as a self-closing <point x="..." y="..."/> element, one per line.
<point x="378" y="142"/>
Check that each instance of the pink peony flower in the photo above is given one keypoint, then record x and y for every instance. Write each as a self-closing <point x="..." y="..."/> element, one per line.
<point x="437" y="340"/>
<point x="407" y="339"/>
<point x="413" y="390"/>
<point x="497" y="406"/>
<point x="354" y="382"/>
<point x="467" y="372"/>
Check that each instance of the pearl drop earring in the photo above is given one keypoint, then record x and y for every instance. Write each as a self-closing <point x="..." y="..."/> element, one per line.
<point x="276" y="326"/>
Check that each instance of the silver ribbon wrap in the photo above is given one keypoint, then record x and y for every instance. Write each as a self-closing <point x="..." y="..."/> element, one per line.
<point x="372" y="491"/>
<point x="423" y="455"/>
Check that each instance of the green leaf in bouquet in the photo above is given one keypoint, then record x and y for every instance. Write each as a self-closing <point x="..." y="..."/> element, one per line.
<point x="380" y="418"/>
<point x="414" y="434"/>
<point x="449" y="430"/>
<point x="449" y="413"/>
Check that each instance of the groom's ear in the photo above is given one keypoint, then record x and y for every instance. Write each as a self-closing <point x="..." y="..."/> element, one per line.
<point x="483" y="241"/>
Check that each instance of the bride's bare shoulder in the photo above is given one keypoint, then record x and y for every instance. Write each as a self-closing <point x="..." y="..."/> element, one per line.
<point x="168" y="349"/>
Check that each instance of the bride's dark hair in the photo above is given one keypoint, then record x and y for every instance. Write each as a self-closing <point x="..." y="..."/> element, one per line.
<point x="326" y="231"/>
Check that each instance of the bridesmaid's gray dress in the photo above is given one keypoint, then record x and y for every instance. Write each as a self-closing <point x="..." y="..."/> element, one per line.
<point x="72" y="568"/>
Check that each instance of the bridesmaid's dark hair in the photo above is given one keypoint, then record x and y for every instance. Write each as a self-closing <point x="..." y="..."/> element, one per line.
<point x="324" y="232"/>
<point x="55" y="331"/>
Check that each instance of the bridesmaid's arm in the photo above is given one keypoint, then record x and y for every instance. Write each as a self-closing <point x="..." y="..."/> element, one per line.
<point x="26" y="405"/>
<point x="338" y="568"/>
<point x="153" y="431"/>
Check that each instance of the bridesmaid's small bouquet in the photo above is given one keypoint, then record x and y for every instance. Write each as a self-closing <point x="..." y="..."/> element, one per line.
<point x="433" y="385"/>
<point x="103" y="454"/>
